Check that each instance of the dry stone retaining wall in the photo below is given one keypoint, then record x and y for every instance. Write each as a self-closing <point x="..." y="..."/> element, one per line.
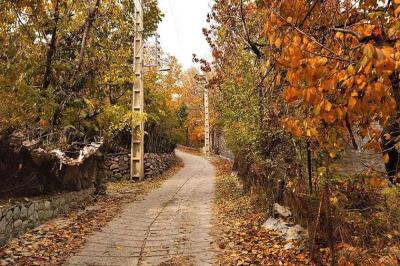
<point x="154" y="165"/>
<point x="19" y="218"/>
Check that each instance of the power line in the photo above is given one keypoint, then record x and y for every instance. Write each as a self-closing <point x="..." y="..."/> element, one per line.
<point x="178" y="35"/>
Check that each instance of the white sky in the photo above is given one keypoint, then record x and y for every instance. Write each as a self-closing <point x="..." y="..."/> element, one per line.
<point x="181" y="29"/>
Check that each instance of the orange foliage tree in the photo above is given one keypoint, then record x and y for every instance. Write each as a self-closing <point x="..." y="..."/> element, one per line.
<point x="336" y="62"/>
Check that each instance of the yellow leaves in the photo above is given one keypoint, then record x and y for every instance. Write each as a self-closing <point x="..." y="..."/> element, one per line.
<point x="369" y="50"/>
<point x="289" y="20"/>
<point x="341" y="75"/>
<point x="311" y="132"/>
<point x="292" y="126"/>
<point x="340" y="113"/>
<point x="278" y="43"/>
<point x="352" y="102"/>
<point x="317" y="61"/>
<point x="278" y="80"/>
<point x="397" y="11"/>
<point x="296" y="40"/>
<point x="333" y="200"/>
<point x="267" y="27"/>
<point x="297" y="132"/>
<point x="290" y="94"/>
<point x="351" y="70"/>
<point x="384" y="63"/>
<point x="328" y="117"/>
<point x="339" y="35"/>
<point x="377" y="182"/>
<point x="310" y="95"/>
<point x="273" y="18"/>
<point x="386" y="158"/>
<point x="328" y="106"/>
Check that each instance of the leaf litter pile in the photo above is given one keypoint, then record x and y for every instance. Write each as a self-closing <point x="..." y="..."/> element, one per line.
<point x="240" y="236"/>
<point x="56" y="240"/>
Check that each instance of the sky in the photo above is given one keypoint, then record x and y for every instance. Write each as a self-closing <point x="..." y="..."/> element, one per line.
<point x="181" y="29"/>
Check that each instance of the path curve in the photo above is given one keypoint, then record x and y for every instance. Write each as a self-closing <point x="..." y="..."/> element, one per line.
<point x="173" y="220"/>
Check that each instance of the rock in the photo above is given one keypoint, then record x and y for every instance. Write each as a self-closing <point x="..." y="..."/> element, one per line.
<point x="282" y="211"/>
<point x="48" y="214"/>
<point x="25" y="224"/>
<point x="123" y="167"/>
<point x="47" y="205"/>
<point x="16" y="212"/>
<point x="3" y="241"/>
<point x="289" y="245"/>
<point x="24" y="212"/>
<point x="17" y="223"/>
<point x="9" y="215"/>
<point x="3" y="224"/>
<point x="295" y="233"/>
<point x="114" y="167"/>
<point x="34" y="216"/>
<point x="31" y="209"/>
<point x="118" y="176"/>
<point x="276" y="225"/>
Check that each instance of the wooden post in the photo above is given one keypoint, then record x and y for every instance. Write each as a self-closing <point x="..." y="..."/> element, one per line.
<point x="206" y="121"/>
<point x="202" y="80"/>
<point x="137" y="141"/>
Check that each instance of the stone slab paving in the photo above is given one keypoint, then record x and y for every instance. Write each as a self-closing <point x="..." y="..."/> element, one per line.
<point x="174" y="220"/>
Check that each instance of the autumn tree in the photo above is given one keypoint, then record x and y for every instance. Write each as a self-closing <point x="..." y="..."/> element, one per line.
<point x="66" y="67"/>
<point x="164" y="118"/>
<point x="296" y="84"/>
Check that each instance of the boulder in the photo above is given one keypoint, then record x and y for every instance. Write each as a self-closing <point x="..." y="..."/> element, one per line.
<point x="282" y="211"/>
<point x="296" y="232"/>
<point x="278" y="225"/>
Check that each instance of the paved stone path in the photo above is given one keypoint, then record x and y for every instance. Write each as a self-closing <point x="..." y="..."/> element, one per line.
<point x="174" y="220"/>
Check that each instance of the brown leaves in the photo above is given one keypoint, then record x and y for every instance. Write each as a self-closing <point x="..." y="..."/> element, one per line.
<point x="53" y="242"/>
<point x="241" y="238"/>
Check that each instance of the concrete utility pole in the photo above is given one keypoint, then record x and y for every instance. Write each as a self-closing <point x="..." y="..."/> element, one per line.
<point x="137" y="141"/>
<point x="206" y="122"/>
<point x="158" y="52"/>
<point x="203" y="81"/>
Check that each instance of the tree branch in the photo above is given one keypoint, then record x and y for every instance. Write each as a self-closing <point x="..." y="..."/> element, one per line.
<point x="253" y="47"/>
<point x="308" y="13"/>
<point x="88" y="25"/>
<point x="52" y="47"/>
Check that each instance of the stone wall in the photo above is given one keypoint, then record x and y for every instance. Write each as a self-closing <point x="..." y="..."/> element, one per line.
<point x="154" y="165"/>
<point x="219" y="146"/>
<point x="28" y="169"/>
<point x="18" y="218"/>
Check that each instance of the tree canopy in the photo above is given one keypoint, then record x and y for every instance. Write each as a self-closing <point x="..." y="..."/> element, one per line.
<point x="66" y="66"/>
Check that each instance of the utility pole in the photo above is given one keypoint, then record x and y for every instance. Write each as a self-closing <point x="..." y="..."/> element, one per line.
<point x="203" y="81"/>
<point x="206" y="122"/>
<point x="137" y="141"/>
<point x="158" y="52"/>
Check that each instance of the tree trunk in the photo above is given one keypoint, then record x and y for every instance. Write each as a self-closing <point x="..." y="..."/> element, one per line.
<point x="392" y="128"/>
<point x="52" y="48"/>
<point x="86" y="31"/>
